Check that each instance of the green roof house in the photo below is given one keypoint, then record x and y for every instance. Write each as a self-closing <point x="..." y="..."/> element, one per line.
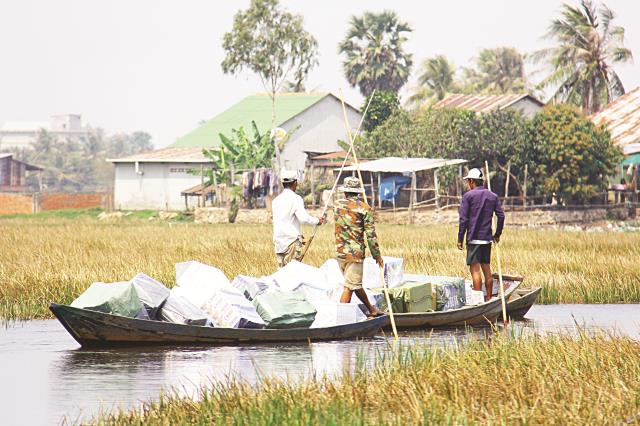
<point x="154" y="180"/>
<point x="319" y="116"/>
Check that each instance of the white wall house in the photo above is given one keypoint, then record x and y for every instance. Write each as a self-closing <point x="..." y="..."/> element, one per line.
<point x="21" y="134"/>
<point x="155" y="180"/>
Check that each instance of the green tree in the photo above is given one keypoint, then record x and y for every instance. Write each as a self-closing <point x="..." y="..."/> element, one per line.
<point x="497" y="71"/>
<point x="572" y="156"/>
<point x="273" y="44"/>
<point x="588" y="45"/>
<point x="436" y="80"/>
<point x="375" y="55"/>
<point x="383" y="104"/>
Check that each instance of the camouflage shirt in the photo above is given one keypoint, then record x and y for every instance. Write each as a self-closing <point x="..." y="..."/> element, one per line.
<point x="354" y="220"/>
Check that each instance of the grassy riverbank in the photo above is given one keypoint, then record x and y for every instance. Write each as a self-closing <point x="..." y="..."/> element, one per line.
<point x="56" y="258"/>
<point x="554" y="380"/>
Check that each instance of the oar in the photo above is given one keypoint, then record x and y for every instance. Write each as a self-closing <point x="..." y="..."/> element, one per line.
<point x="335" y="183"/>
<point x="493" y="220"/>
<point x="385" y="287"/>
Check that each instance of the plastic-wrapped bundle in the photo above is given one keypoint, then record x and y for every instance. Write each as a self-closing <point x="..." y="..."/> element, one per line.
<point x="473" y="297"/>
<point x="333" y="275"/>
<point x="411" y="296"/>
<point x="295" y="273"/>
<point x="251" y="286"/>
<point x="179" y="310"/>
<point x="284" y="309"/>
<point x="332" y="314"/>
<point x="199" y="281"/>
<point x="229" y="308"/>
<point x="118" y="298"/>
<point x="151" y="293"/>
<point x="393" y="272"/>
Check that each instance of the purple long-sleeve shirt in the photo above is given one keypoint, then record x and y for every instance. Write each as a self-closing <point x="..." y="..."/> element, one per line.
<point x="476" y="211"/>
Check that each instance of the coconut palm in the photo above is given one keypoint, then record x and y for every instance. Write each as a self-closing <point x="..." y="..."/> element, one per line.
<point x="375" y="58"/>
<point x="436" y="80"/>
<point x="588" y="45"/>
<point x="498" y="71"/>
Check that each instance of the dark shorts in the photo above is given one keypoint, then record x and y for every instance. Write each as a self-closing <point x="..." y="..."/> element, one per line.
<point x="478" y="253"/>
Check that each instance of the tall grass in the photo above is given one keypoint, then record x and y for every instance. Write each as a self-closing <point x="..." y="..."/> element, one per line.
<point x="555" y="380"/>
<point x="54" y="260"/>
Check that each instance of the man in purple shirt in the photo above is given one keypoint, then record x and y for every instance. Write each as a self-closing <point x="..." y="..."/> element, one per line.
<point x="476" y="213"/>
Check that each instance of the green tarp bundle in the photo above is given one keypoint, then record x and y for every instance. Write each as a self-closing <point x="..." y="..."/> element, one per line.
<point x="284" y="309"/>
<point x="450" y="293"/>
<point x="114" y="298"/>
<point x="411" y="296"/>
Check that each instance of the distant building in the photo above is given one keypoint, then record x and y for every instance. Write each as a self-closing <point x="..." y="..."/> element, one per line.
<point x="622" y="119"/>
<point x="13" y="173"/>
<point x="21" y="134"/>
<point x="525" y="103"/>
<point x="155" y="180"/>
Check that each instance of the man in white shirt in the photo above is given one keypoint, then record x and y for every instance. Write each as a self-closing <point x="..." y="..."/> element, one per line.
<point x="288" y="213"/>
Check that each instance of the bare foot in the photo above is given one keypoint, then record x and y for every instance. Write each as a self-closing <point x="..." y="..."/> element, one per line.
<point x="376" y="313"/>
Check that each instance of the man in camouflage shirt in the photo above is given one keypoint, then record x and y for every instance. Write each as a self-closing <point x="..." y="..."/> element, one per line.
<point x="354" y="222"/>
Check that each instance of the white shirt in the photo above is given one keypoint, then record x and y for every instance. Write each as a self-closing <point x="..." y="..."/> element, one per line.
<point x="288" y="212"/>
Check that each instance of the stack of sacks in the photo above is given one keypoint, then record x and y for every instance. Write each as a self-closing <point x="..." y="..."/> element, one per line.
<point x="179" y="310"/>
<point x="450" y="291"/>
<point x="119" y="298"/>
<point x="393" y="272"/>
<point x="209" y="289"/>
<point x="330" y="313"/>
<point x="251" y="287"/>
<point x="335" y="281"/>
<point x="151" y="293"/>
<point x="284" y="309"/>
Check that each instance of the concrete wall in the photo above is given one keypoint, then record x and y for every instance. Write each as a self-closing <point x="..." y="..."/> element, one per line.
<point x="157" y="186"/>
<point x="321" y="126"/>
<point x="16" y="203"/>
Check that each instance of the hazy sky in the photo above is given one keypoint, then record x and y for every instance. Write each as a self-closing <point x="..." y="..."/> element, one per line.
<point x="154" y="65"/>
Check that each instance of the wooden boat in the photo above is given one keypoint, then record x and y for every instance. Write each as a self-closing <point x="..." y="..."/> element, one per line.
<point x="483" y="314"/>
<point x="97" y="329"/>
<point x="521" y="301"/>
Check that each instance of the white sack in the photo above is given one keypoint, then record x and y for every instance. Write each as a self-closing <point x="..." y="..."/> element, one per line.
<point x="229" y="308"/>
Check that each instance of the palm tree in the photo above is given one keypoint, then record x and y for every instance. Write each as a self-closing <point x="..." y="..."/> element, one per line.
<point x="436" y="80"/>
<point x="588" y="45"/>
<point x="375" y="58"/>
<point x="499" y="71"/>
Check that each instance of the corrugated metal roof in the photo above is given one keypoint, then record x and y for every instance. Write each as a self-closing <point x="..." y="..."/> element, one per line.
<point x="485" y="103"/>
<point x="166" y="155"/>
<point x="402" y="165"/>
<point x="622" y="119"/>
<point x="252" y="108"/>
<point x="29" y="167"/>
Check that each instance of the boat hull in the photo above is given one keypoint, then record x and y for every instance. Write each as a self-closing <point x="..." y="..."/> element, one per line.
<point x="522" y="301"/>
<point x="97" y="329"/>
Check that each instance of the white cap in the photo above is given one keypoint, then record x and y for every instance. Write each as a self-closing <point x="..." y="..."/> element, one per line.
<point x="475" y="174"/>
<point x="288" y="175"/>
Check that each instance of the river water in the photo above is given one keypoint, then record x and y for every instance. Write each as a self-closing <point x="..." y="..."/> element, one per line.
<point x="46" y="379"/>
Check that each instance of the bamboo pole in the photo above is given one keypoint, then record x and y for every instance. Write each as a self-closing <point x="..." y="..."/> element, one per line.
<point x="504" y="303"/>
<point x="355" y="159"/>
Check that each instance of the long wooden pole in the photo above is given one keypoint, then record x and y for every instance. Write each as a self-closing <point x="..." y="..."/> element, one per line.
<point x="493" y="219"/>
<point x="335" y="183"/>
<point x="355" y="159"/>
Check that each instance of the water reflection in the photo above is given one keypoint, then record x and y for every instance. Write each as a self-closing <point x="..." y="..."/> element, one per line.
<point x="46" y="376"/>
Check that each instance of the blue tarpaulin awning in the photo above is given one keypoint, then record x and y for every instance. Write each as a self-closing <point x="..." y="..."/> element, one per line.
<point x="631" y="159"/>
<point x="390" y="187"/>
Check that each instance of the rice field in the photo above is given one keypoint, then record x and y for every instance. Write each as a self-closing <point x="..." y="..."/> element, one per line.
<point x="555" y="380"/>
<point x="55" y="259"/>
